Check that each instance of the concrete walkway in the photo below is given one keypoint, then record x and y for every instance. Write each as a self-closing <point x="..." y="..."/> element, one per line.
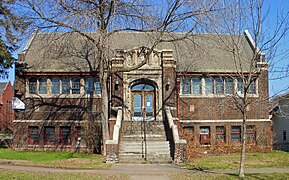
<point x="138" y="171"/>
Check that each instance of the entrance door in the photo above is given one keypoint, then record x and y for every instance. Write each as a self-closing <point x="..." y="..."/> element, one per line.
<point x="143" y="103"/>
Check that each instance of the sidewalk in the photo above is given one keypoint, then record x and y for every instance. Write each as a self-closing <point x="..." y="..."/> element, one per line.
<point x="136" y="169"/>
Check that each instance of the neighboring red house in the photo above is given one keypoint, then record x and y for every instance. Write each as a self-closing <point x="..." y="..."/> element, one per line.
<point x="7" y="113"/>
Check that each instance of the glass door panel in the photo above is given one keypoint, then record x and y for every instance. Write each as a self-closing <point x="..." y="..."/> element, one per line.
<point x="149" y="105"/>
<point x="137" y="103"/>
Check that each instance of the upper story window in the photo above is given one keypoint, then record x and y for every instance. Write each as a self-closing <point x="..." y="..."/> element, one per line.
<point x="252" y="87"/>
<point x="92" y="86"/>
<point x="97" y="86"/>
<point x="75" y="85"/>
<point x="186" y="86"/>
<point x="196" y="85"/>
<point x="229" y="85"/>
<point x="89" y="85"/>
<point x="219" y="85"/>
<point x="209" y="85"/>
<point x="55" y="88"/>
<point x="32" y="85"/>
<point x="42" y="85"/>
<point x="65" y="84"/>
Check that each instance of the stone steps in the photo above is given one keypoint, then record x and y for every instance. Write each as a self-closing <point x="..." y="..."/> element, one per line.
<point x="133" y="149"/>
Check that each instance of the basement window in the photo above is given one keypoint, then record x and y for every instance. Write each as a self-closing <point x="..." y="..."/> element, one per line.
<point x="49" y="135"/>
<point x="65" y="136"/>
<point x="236" y="134"/>
<point x="33" y="135"/>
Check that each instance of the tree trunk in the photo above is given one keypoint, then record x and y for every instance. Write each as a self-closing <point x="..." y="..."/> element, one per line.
<point x="104" y="113"/>
<point x="243" y="150"/>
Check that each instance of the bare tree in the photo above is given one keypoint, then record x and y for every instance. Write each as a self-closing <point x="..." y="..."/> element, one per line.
<point x="107" y="17"/>
<point x="266" y="35"/>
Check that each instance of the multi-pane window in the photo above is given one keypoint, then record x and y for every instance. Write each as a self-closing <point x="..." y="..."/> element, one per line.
<point x="235" y="133"/>
<point x="97" y="86"/>
<point x="89" y="85"/>
<point x="196" y="85"/>
<point x="229" y="86"/>
<point x="219" y="85"/>
<point x="65" y="84"/>
<point x="32" y="84"/>
<point x="186" y="86"/>
<point x="55" y="89"/>
<point x="251" y="135"/>
<point x="252" y="87"/>
<point x="49" y="135"/>
<point x="204" y="135"/>
<point x="42" y="85"/>
<point x="240" y="86"/>
<point x="65" y="136"/>
<point x="220" y="134"/>
<point x="33" y="135"/>
<point x="209" y="85"/>
<point x="92" y="86"/>
<point x="75" y="85"/>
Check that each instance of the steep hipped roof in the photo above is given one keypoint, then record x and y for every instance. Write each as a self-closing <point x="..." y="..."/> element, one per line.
<point x="58" y="52"/>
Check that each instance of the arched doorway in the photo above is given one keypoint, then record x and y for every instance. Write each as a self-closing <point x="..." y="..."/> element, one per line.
<point x="143" y="102"/>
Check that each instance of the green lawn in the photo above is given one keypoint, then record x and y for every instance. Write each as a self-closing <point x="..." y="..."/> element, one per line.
<point x="55" y="159"/>
<point x="274" y="159"/>
<point x="26" y="175"/>
<point x="230" y="176"/>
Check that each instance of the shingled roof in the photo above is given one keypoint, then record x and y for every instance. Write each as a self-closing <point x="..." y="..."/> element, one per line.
<point x="66" y="52"/>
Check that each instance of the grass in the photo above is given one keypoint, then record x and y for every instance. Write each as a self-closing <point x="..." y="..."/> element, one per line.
<point x="274" y="159"/>
<point x="7" y="174"/>
<point x="230" y="176"/>
<point x="54" y="159"/>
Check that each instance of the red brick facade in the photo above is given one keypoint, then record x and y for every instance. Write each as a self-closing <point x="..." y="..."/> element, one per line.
<point x="7" y="113"/>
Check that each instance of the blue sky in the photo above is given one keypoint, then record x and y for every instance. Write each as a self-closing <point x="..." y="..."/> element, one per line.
<point x="276" y="85"/>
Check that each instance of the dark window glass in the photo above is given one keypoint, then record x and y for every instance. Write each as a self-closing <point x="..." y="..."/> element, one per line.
<point x="235" y="133"/>
<point x="65" y="82"/>
<point x="65" y="135"/>
<point x="186" y="86"/>
<point x="33" y="135"/>
<point x="229" y="86"/>
<point x="49" y="135"/>
<point x="55" y="89"/>
<point x="219" y="85"/>
<point x="97" y="86"/>
<point x="75" y="82"/>
<point x="32" y="83"/>
<point x="42" y="85"/>
<point x="89" y="85"/>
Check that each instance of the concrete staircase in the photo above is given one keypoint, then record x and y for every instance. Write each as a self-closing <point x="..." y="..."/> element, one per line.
<point x="135" y="147"/>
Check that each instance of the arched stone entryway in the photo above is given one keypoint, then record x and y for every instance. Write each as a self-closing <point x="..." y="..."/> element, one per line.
<point x="143" y="104"/>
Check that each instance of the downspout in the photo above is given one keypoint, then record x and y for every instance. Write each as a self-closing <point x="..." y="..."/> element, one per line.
<point x="110" y="90"/>
<point x="179" y="105"/>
